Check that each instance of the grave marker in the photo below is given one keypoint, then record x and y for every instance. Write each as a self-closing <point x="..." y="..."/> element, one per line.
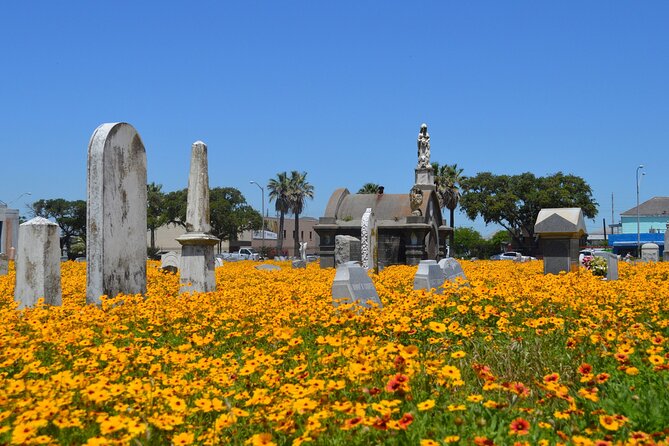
<point x="116" y="213"/>
<point x="347" y="249"/>
<point x="429" y="275"/>
<point x="611" y="264"/>
<point x="4" y="264"/>
<point x="451" y="269"/>
<point x="650" y="252"/>
<point x="170" y="261"/>
<point x="38" y="264"/>
<point x="352" y="284"/>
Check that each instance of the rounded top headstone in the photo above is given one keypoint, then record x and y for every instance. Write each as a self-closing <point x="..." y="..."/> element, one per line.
<point x="39" y="221"/>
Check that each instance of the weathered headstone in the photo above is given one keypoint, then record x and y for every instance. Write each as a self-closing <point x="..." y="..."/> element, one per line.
<point x="368" y="240"/>
<point x="429" y="275"/>
<point x="268" y="267"/>
<point x="4" y="264"/>
<point x="296" y="264"/>
<point x="650" y="252"/>
<point x="116" y="213"/>
<point x="197" y="272"/>
<point x="451" y="269"/>
<point x="347" y="249"/>
<point x="170" y="261"/>
<point x="38" y="264"/>
<point x="219" y="262"/>
<point x="352" y="284"/>
<point x="611" y="264"/>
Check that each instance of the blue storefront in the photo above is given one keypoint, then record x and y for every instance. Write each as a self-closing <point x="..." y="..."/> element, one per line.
<point x="627" y="243"/>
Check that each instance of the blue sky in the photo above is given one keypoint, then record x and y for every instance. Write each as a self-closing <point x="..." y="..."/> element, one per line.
<point x="339" y="90"/>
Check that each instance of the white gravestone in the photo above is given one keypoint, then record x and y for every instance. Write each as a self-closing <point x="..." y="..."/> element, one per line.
<point x="368" y="240"/>
<point x="267" y="267"/>
<point x="611" y="264"/>
<point x="38" y="264"/>
<point x="429" y="275"/>
<point x="451" y="269"/>
<point x="4" y="264"/>
<point x="352" y="284"/>
<point x="650" y="252"/>
<point x="170" y="261"/>
<point x="116" y="213"/>
<point x="197" y="272"/>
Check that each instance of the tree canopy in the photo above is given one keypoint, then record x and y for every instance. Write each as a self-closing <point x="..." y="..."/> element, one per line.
<point x="369" y="188"/>
<point x="69" y="215"/>
<point x="514" y="201"/>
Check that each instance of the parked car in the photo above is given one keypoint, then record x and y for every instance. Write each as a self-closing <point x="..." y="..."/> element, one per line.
<point x="512" y="255"/>
<point x="242" y="254"/>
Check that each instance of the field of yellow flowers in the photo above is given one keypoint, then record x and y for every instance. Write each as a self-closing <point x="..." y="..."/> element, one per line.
<point x="514" y="357"/>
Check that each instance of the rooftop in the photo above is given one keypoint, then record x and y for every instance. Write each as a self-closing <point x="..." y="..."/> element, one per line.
<point x="654" y="206"/>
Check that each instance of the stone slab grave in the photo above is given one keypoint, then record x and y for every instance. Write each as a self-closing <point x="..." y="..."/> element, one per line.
<point x="268" y="267"/>
<point x="170" y="261"/>
<point x="116" y="213"/>
<point x="4" y="264"/>
<point x="650" y="252"/>
<point x="38" y="264"/>
<point x="298" y="264"/>
<point x="347" y="249"/>
<point x="611" y="264"/>
<point x="451" y="269"/>
<point x="429" y="275"/>
<point x="352" y="284"/>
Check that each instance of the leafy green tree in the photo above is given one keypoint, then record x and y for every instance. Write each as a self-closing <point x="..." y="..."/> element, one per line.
<point x="514" y="201"/>
<point x="447" y="179"/>
<point x="369" y="188"/>
<point x="498" y="241"/>
<point x="279" y="193"/>
<point x="174" y="207"/>
<point x="469" y="243"/>
<point x="230" y="214"/>
<point x="155" y="210"/>
<point x="69" y="215"/>
<point x="300" y="189"/>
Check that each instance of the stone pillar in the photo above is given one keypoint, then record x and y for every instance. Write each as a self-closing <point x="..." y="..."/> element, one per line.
<point x="666" y="244"/>
<point x="197" y="272"/>
<point x="368" y="247"/>
<point x="326" y="230"/>
<point x="116" y="213"/>
<point x="38" y="264"/>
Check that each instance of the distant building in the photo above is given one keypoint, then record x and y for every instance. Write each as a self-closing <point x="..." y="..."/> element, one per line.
<point x="9" y="228"/>
<point x="653" y="219"/>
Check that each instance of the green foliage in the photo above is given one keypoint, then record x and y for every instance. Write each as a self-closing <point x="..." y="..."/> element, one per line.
<point x="69" y="215"/>
<point x="470" y="243"/>
<point x="155" y="210"/>
<point x="279" y="190"/>
<point x="230" y="214"/>
<point x="300" y="189"/>
<point x="447" y="179"/>
<point x="369" y="188"/>
<point x="514" y="201"/>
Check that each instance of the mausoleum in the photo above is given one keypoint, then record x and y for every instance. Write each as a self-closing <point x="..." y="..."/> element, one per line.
<point x="407" y="228"/>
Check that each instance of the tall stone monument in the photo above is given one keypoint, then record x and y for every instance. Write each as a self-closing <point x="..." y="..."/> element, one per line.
<point x="116" y="213"/>
<point x="38" y="264"/>
<point x="368" y="240"/>
<point x="424" y="171"/>
<point x="197" y="272"/>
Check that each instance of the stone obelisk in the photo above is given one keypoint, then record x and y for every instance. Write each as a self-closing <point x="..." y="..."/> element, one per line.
<point x="197" y="272"/>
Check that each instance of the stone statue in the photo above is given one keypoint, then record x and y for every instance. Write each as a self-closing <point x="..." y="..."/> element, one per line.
<point x="303" y="251"/>
<point x="416" y="200"/>
<point x="423" y="147"/>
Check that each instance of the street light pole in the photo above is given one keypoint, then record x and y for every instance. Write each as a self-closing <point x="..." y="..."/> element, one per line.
<point x="25" y="193"/>
<point x="262" y="191"/>
<point x="638" y="230"/>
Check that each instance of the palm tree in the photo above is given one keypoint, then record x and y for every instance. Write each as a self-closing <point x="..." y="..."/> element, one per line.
<point x="369" y="188"/>
<point x="279" y="189"/>
<point x="300" y="190"/>
<point x="447" y="179"/>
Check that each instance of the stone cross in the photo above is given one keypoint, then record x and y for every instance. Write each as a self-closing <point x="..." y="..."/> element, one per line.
<point x="116" y="213"/>
<point x="197" y="272"/>
<point x="368" y="240"/>
<point x="38" y="264"/>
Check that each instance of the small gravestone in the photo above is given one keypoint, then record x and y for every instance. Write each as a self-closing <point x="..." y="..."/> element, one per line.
<point x="298" y="264"/>
<point x="170" y="261"/>
<point x="429" y="276"/>
<point x="268" y="267"/>
<point x="116" y="213"/>
<point x="38" y="264"/>
<point x="352" y="284"/>
<point x="347" y="249"/>
<point x="219" y="262"/>
<point x="650" y="252"/>
<point x="611" y="264"/>
<point x="4" y="264"/>
<point x="451" y="269"/>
